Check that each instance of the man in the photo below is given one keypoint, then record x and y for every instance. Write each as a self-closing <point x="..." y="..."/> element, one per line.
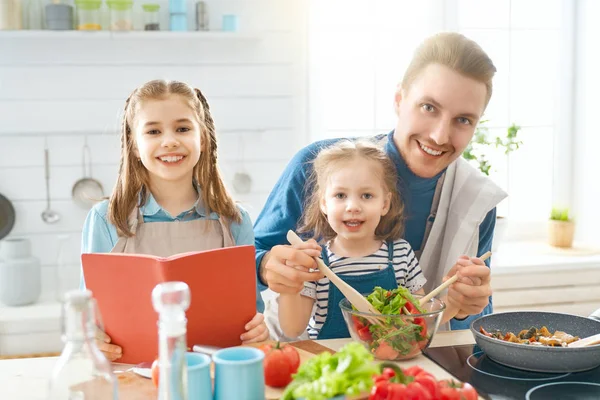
<point x="450" y="207"/>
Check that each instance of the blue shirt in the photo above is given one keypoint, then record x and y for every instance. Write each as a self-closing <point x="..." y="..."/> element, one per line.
<point x="284" y="206"/>
<point x="100" y="236"/>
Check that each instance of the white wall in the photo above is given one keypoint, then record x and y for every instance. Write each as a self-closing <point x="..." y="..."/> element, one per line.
<point x="65" y="89"/>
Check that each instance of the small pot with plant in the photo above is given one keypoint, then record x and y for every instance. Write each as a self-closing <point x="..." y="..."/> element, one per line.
<point x="561" y="228"/>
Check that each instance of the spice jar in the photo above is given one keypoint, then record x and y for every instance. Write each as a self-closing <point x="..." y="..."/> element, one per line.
<point x="121" y="15"/>
<point x="88" y="15"/>
<point x="151" y="16"/>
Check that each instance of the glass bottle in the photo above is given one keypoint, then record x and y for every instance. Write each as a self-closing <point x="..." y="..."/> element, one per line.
<point x="81" y="372"/>
<point x="171" y="300"/>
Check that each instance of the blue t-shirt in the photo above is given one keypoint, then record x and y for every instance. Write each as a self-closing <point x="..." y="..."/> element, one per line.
<point x="284" y="206"/>
<point x="100" y="236"/>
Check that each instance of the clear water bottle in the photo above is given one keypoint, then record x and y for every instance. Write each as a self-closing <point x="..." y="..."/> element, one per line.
<point x="81" y="372"/>
<point x="171" y="300"/>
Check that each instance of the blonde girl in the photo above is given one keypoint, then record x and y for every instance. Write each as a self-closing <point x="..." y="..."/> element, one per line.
<point x="169" y="197"/>
<point x="357" y="213"/>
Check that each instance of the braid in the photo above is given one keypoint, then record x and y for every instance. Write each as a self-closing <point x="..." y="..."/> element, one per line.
<point x="210" y="128"/>
<point x="215" y="195"/>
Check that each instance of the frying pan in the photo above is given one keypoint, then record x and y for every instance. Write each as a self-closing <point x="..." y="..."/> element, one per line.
<point x="87" y="191"/>
<point x="538" y="358"/>
<point x="7" y="216"/>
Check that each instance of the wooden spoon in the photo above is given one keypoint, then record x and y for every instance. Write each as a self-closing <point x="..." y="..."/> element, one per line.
<point x="353" y="296"/>
<point x="449" y="282"/>
<point x="588" y="341"/>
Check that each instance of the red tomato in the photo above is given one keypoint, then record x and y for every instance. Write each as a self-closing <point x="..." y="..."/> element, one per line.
<point x="155" y="372"/>
<point x="411" y="308"/>
<point x="281" y="361"/>
<point x="421" y="322"/>
<point x="385" y="352"/>
<point x="358" y="325"/>
<point x="453" y="390"/>
<point x="365" y="334"/>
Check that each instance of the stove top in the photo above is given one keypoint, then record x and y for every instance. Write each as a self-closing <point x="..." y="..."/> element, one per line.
<point x="495" y="381"/>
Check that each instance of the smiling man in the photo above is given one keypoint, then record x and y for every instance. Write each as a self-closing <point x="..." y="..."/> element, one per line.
<point x="449" y="206"/>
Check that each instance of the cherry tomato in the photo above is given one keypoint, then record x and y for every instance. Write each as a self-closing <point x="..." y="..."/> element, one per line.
<point x="155" y="372"/>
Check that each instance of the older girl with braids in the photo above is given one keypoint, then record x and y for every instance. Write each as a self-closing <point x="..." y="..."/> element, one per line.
<point x="168" y="173"/>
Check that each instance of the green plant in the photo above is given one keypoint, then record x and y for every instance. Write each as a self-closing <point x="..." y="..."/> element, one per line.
<point x="560" y="214"/>
<point x="476" y="150"/>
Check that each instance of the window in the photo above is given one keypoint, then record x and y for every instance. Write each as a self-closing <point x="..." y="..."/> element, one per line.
<point x="358" y="53"/>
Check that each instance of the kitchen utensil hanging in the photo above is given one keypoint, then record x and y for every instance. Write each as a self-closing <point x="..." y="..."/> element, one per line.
<point x="87" y="191"/>
<point x="7" y="216"/>
<point x="48" y="215"/>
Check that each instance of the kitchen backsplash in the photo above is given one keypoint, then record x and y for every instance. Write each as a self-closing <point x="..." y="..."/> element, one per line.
<point x="63" y="91"/>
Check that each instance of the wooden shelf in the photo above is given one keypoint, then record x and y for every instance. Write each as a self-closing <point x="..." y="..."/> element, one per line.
<point x="124" y="35"/>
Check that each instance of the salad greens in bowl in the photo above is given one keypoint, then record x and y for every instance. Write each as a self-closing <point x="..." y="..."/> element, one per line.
<point x="403" y="330"/>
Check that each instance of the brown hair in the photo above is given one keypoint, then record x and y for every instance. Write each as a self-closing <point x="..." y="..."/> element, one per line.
<point x="315" y="221"/>
<point x="456" y="52"/>
<point x="133" y="176"/>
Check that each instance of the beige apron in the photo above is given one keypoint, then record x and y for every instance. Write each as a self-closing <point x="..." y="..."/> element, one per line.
<point x="164" y="239"/>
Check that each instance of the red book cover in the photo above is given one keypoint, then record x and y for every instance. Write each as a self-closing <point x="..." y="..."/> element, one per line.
<point x="223" y="296"/>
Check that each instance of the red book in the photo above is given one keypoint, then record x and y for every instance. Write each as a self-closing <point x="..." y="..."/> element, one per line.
<point x="223" y="296"/>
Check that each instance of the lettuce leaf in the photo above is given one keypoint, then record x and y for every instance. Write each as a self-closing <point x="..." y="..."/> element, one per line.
<point x="347" y="372"/>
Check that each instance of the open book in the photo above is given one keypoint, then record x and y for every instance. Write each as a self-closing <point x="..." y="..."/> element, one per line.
<point x="223" y="296"/>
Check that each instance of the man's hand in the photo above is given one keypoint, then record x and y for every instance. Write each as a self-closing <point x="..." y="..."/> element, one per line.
<point x="471" y="292"/>
<point x="285" y="268"/>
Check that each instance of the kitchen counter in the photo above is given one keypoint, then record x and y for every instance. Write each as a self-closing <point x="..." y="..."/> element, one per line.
<point x="27" y="378"/>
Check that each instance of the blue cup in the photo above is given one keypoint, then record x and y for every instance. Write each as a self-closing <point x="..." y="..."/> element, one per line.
<point x="239" y="374"/>
<point x="198" y="376"/>
<point x="230" y="23"/>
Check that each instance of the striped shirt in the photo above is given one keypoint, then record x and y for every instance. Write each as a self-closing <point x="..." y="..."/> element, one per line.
<point x="406" y="266"/>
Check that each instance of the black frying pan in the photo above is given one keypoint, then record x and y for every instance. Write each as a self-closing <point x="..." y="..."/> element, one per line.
<point x="7" y="216"/>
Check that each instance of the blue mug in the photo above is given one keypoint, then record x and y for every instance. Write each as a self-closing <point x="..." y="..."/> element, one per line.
<point x="198" y="376"/>
<point x="239" y="374"/>
<point x="230" y="23"/>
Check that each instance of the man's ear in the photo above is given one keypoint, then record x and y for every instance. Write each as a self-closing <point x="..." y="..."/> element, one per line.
<point x="398" y="99"/>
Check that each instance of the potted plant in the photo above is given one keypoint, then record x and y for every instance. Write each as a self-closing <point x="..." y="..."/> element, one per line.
<point x="477" y="153"/>
<point x="561" y="228"/>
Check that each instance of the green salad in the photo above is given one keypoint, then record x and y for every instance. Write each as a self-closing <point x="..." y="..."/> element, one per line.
<point x="347" y="372"/>
<point x="395" y="338"/>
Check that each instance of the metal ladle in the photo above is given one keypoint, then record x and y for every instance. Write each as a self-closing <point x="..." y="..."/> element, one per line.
<point x="48" y="215"/>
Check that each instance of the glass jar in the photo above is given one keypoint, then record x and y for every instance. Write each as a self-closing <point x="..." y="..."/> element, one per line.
<point x="121" y="15"/>
<point x="88" y="15"/>
<point x="151" y="17"/>
<point x="82" y="371"/>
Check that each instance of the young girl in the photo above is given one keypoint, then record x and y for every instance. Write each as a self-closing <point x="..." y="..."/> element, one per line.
<point x="168" y="173"/>
<point x="356" y="210"/>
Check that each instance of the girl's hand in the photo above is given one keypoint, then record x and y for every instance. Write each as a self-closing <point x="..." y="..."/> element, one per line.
<point x="256" y="330"/>
<point x="111" y="351"/>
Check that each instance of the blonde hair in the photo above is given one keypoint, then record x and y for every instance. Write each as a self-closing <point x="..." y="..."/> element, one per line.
<point x="390" y="226"/>
<point x="456" y="52"/>
<point x="133" y="177"/>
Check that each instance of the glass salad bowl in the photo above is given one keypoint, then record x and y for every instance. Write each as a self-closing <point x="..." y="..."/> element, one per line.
<point x="395" y="336"/>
